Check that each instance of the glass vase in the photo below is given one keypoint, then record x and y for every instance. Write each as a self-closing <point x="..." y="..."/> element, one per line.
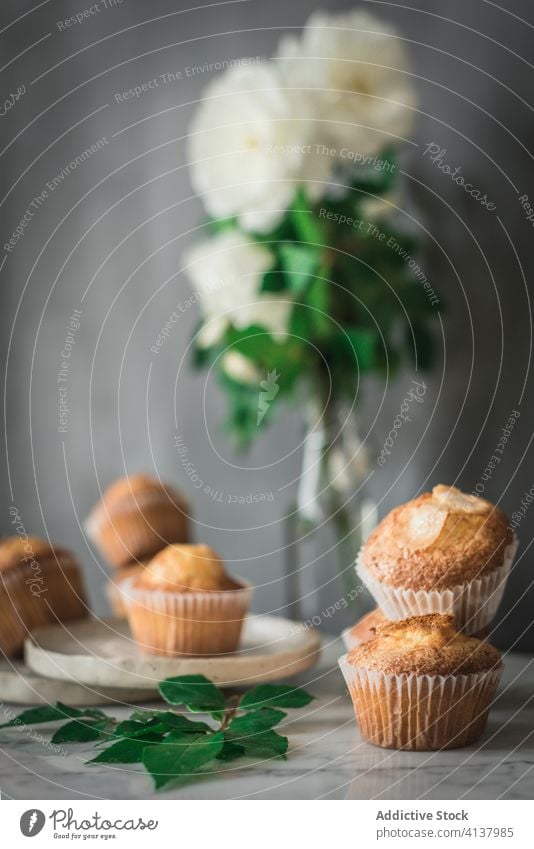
<point x="328" y="521"/>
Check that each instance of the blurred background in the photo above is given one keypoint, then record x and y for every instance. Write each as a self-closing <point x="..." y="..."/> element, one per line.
<point x="108" y="240"/>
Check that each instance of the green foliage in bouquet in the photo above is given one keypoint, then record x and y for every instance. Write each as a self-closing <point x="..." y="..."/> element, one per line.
<point x="359" y="303"/>
<point x="306" y="279"/>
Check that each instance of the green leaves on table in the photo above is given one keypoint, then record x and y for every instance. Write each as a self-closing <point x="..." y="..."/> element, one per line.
<point x="196" y="692"/>
<point x="181" y="757"/>
<point x="280" y="695"/>
<point x="173" y="746"/>
<point x="52" y="713"/>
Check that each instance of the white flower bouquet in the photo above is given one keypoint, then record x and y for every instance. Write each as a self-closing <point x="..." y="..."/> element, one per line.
<point x="304" y="272"/>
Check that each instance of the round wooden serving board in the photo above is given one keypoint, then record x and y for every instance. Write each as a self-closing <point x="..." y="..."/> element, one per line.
<point x="102" y="653"/>
<point x="19" y="685"/>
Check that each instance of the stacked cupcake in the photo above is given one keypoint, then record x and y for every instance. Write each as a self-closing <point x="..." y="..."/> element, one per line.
<point x="136" y="517"/>
<point x="434" y="565"/>
<point x="177" y="597"/>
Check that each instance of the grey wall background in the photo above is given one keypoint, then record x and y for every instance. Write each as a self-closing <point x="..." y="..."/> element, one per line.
<point x="108" y="241"/>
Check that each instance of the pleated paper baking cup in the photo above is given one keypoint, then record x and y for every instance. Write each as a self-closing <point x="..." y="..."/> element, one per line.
<point x="420" y="712"/>
<point x="113" y="592"/>
<point x="473" y="603"/>
<point x="188" y="623"/>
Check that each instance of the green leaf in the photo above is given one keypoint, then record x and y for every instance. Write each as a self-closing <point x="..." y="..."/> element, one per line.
<point x="182" y="723"/>
<point x="169" y="761"/>
<point x="46" y="713"/>
<point x="300" y="264"/>
<point x="305" y="221"/>
<point x="279" y="695"/>
<point x="231" y="751"/>
<point x="255" y="721"/>
<point x="195" y="691"/>
<point x="80" y="731"/>
<point x="126" y="751"/>
<point x="160" y="722"/>
<point x="266" y="744"/>
<point x="129" y="727"/>
<point x="360" y="344"/>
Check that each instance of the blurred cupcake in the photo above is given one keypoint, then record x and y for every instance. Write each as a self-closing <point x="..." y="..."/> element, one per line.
<point x="38" y="584"/>
<point x="185" y="603"/>
<point x="443" y="552"/>
<point x="136" y="517"/>
<point x="365" y="629"/>
<point x="113" y="585"/>
<point x="420" y="684"/>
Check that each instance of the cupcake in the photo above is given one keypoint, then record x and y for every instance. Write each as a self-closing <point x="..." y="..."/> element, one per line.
<point x="420" y="684"/>
<point x="38" y="584"/>
<point x="363" y="630"/>
<point x="136" y="517"/>
<point x="113" y="585"/>
<point x="443" y="552"/>
<point x="185" y="603"/>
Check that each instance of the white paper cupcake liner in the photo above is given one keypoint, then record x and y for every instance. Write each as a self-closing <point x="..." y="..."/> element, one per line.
<point x="474" y="603"/>
<point x="420" y="712"/>
<point x="194" y="623"/>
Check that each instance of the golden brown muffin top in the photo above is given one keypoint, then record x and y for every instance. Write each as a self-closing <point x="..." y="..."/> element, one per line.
<point x="186" y="568"/>
<point x="424" y="645"/>
<point x="18" y="551"/>
<point x="438" y="540"/>
<point x="136" y="490"/>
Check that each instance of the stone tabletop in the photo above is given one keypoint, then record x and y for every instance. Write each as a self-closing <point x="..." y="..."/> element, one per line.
<point x="327" y="758"/>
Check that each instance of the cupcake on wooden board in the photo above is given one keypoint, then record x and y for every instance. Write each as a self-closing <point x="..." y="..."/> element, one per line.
<point x="113" y="591"/>
<point x="136" y="517"/>
<point x="420" y="684"/>
<point x="442" y="552"/>
<point x="185" y="603"/>
<point x="39" y="584"/>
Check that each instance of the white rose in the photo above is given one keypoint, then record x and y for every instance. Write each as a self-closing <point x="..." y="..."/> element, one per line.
<point x="227" y="272"/>
<point x="353" y="67"/>
<point x="249" y="149"/>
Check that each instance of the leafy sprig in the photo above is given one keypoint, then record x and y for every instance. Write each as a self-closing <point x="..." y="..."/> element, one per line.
<point x="170" y="745"/>
<point x="360" y="300"/>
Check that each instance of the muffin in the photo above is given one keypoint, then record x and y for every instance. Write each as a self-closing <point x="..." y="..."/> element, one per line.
<point x="442" y="552"/>
<point x="365" y="629"/>
<point x="136" y="517"/>
<point x="38" y="584"/>
<point x="420" y="684"/>
<point x="185" y="603"/>
<point x="113" y="585"/>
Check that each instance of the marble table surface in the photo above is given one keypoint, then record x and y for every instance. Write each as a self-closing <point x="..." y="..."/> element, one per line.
<point x="326" y="759"/>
